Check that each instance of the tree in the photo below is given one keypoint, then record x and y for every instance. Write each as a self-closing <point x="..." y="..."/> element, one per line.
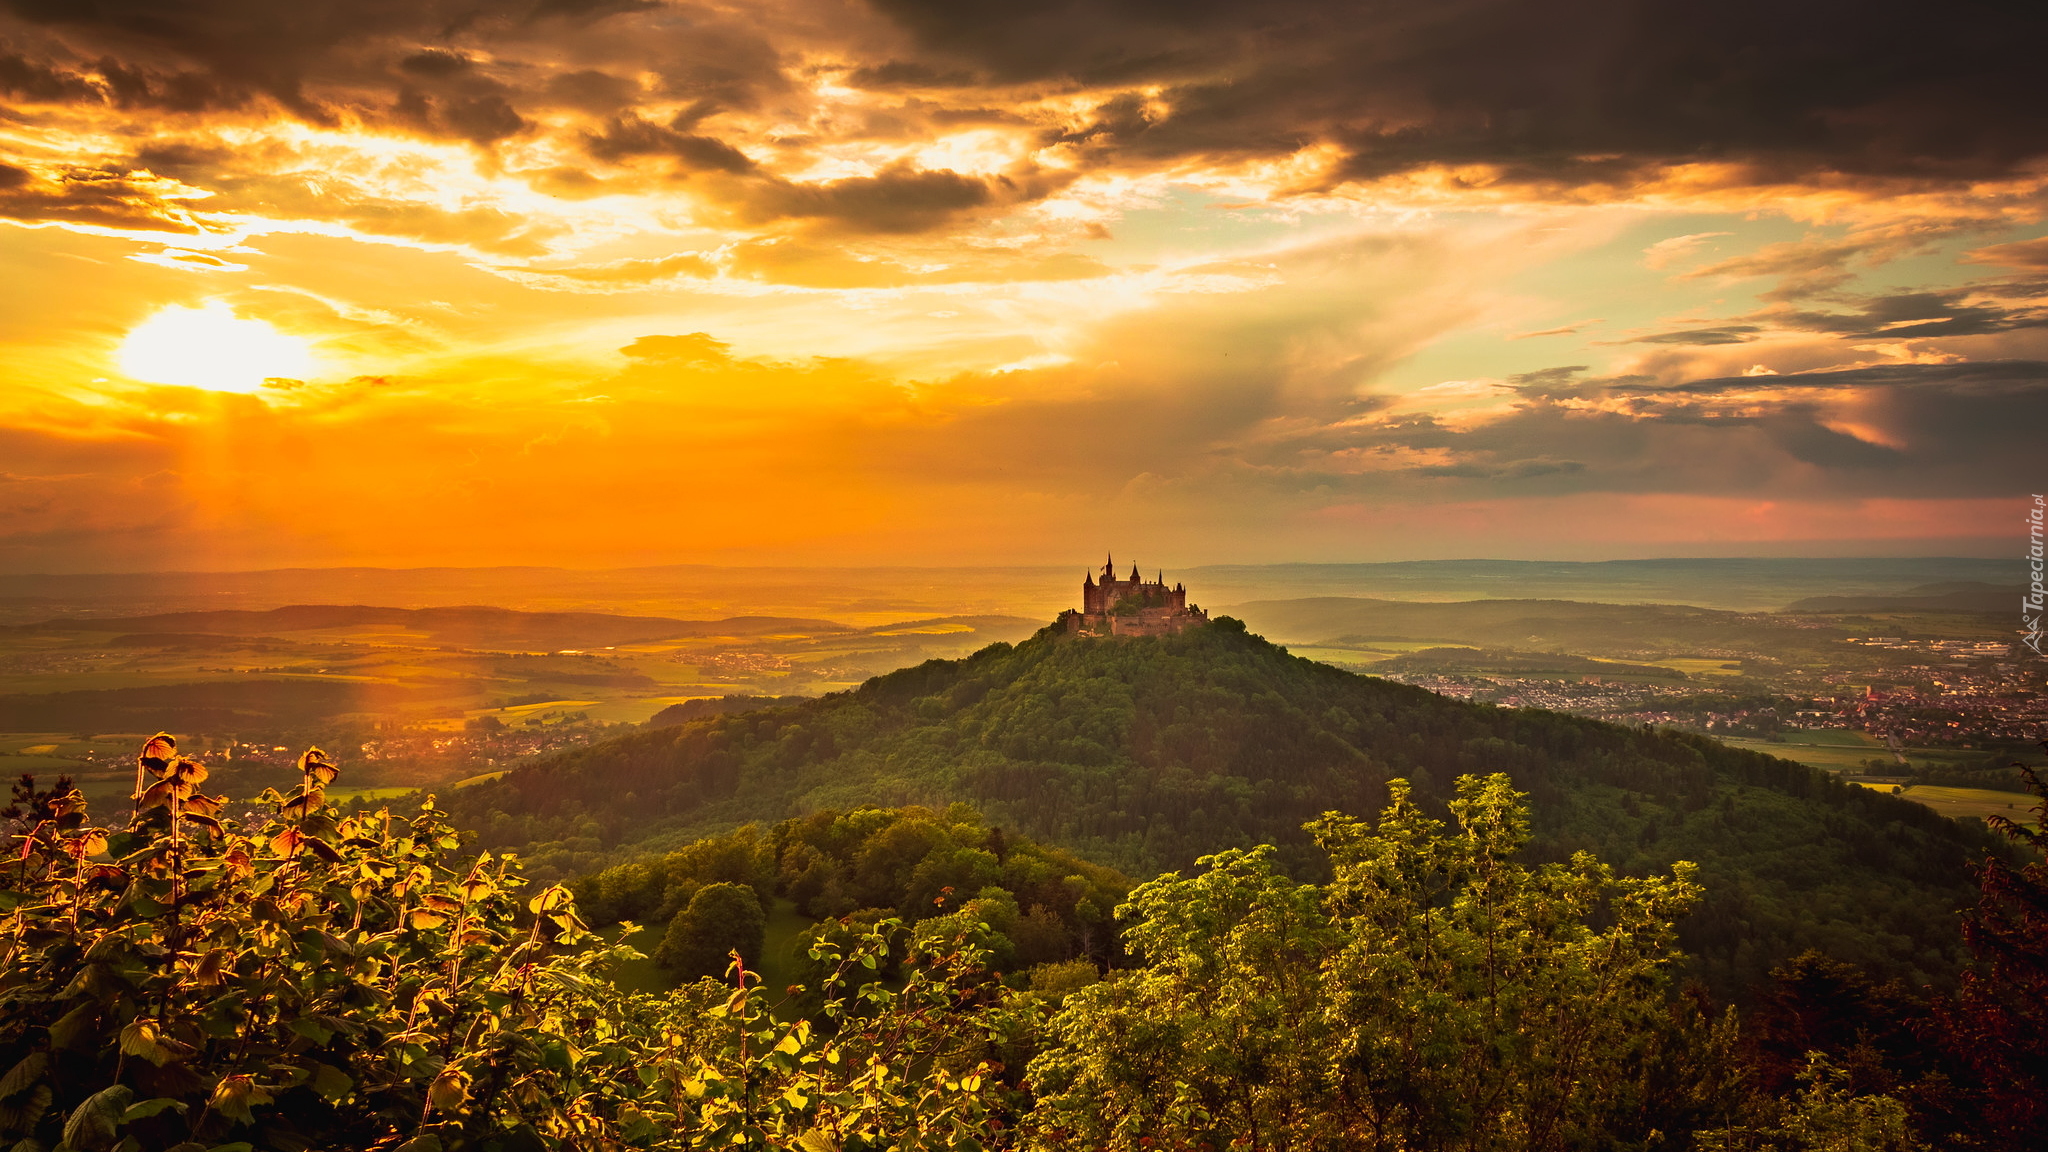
<point x="352" y="981"/>
<point x="322" y="979"/>
<point x="721" y="919"/>
<point x="1435" y="995"/>
<point x="1998" y="1022"/>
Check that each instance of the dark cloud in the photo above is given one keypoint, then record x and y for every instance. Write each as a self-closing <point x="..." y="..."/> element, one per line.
<point x="436" y="62"/>
<point x="1983" y="379"/>
<point x="1916" y="315"/>
<point x="242" y="45"/>
<point x="590" y="9"/>
<point x="105" y="197"/>
<point x="316" y="58"/>
<point x="625" y="137"/>
<point x="1723" y="334"/>
<point x="590" y="90"/>
<point x="1906" y="431"/>
<point x="906" y="74"/>
<point x="29" y="80"/>
<point x="482" y="119"/>
<point x="2031" y="255"/>
<point x="900" y="199"/>
<point x="1562" y="91"/>
<point x="1571" y="90"/>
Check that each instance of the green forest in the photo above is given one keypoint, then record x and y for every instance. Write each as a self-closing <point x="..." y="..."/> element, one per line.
<point x="1186" y="892"/>
<point x="1144" y="755"/>
<point x="317" y="978"/>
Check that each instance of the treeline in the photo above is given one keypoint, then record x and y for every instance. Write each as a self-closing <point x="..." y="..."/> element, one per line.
<point x="704" y="707"/>
<point x="1032" y="905"/>
<point x="1997" y="770"/>
<point x="324" y="980"/>
<point x="1144" y="754"/>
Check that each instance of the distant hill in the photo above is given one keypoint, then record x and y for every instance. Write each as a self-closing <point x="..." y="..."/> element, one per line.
<point x="467" y="627"/>
<point x="1143" y="754"/>
<point x="219" y="706"/>
<point x="1523" y="624"/>
<point x="1954" y="596"/>
<point x="1012" y="628"/>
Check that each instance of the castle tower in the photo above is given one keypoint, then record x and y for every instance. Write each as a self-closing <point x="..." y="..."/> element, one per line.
<point x="1131" y="607"/>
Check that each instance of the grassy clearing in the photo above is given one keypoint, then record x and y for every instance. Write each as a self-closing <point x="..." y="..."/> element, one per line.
<point x="1832" y="737"/>
<point x="1340" y="656"/>
<point x="1695" y="666"/>
<point x="777" y="967"/>
<point x="639" y="975"/>
<point x="1977" y="802"/>
<point x="1830" y="757"/>
<point x="628" y="711"/>
<point x="371" y="794"/>
<point x="778" y="947"/>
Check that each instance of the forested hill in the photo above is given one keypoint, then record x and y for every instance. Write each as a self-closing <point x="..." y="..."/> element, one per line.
<point x="1145" y="753"/>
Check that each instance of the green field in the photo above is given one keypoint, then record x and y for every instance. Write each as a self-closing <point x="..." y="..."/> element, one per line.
<point x="1700" y="666"/>
<point x="1977" y="802"/>
<point x="369" y="794"/>
<point x="1832" y="749"/>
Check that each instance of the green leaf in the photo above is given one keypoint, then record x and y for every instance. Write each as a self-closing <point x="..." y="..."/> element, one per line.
<point x="312" y="1029"/>
<point x="331" y="1082"/>
<point x="424" y="1142"/>
<point x="78" y="1028"/>
<point x="23" y="1076"/>
<point x="25" y="1113"/>
<point x="92" y="1124"/>
<point x="148" y="1108"/>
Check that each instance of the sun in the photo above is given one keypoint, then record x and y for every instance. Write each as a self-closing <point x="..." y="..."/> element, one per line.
<point x="211" y="347"/>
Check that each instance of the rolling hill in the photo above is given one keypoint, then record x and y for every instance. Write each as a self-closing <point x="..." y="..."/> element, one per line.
<point x="1952" y="596"/>
<point x="469" y="627"/>
<point x="1142" y="754"/>
<point x="1600" y="629"/>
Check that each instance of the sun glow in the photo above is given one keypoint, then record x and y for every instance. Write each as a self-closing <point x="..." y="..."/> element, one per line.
<point x="211" y="347"/>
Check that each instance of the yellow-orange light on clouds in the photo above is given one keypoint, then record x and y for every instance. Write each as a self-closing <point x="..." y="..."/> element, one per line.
<point x="210" y="347"/>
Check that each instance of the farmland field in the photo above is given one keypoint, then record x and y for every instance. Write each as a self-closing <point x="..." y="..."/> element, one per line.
<point x="1977" y="802"/>
<point x="1832" y="749"/>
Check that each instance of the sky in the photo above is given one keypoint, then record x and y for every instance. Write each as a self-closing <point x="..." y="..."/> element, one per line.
<point x="615" y="282"/>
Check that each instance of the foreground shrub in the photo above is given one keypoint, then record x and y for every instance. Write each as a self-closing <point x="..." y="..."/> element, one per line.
<point x="350" y="981"/>
<point x="1435" y="995"/>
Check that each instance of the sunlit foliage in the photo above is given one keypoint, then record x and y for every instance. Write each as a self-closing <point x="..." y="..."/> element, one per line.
<point x="1435" y="995"/>
<point x="331" y="980"/>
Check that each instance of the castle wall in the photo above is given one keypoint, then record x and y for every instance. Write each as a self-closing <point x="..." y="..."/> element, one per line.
<point x="1161" y="611"/>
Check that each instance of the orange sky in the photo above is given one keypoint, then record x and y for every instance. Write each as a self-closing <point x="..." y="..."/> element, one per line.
<point x="623" y="282"/>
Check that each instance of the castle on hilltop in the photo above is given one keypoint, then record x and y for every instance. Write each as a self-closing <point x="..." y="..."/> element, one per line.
<point x="1114" y="607"/>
